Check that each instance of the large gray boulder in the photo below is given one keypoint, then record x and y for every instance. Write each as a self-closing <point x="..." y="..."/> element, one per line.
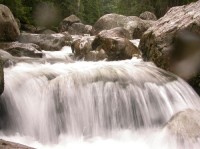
<point x="173" y="42"/>
<point x="133" y="24"/>
<point x="185" y="124"/>
<point x="9" y="29"/>
<point x="21" y="49"/>
<point x="48" y="42"/>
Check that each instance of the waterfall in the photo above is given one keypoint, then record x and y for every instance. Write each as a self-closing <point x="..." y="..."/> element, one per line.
<point x="89" y="99"/>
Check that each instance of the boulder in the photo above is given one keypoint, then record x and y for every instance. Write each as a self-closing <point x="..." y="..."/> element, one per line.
<point x="115" y="32"/>
<point x="18" y="22"/>
<point x="1" y="77"/>
<point x="173" y="42"/>
<point x="21" y="49"/>
<point x="48" y="42"/>
<point x="11" y="145"/>
<point x="138" y="27"/>
<point x="82" y="46"/>
<point x="148" y="16"/>
<point x="9" y="29"/>
<point x="28" y="28"/>
<point x="116" y="48"/>
<point x="133" y="24"/>
<point x="79" y="29"/>
<point x="185" y="124"/>
<point x="68" y="22"/>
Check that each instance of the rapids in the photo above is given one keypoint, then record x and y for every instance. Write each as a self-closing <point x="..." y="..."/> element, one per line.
<point x="78" y="104"/>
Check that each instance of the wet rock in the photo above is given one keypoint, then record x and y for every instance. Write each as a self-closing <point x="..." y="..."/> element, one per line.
<point x="133" y="24"/>
<point x="48" y="42"/>
<point x="82" y="46"/>
<point x="10" y="145"/>
<point x="185" y="124"/>
<point x="9" y="29"/>
<point x="21" y="49"/>
<point x="173" y="43"/>
<point x="116" y="48"/>
<point x="148" y="16"/>
<point x="96" y="55"/>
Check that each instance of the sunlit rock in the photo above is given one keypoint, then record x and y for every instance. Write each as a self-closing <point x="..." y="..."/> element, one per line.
<point x="133" y="24"/>
<point x="173" y="42"/>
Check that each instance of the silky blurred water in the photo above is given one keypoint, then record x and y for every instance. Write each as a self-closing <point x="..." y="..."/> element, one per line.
<point x="92" y="104"/>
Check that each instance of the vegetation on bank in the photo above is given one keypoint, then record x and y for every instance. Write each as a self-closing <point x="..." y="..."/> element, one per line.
<point x="49" y="12"/>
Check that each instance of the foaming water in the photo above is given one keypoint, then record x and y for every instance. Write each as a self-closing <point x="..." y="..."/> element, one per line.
<point x="92" y="104"/>
<point x="64" y="53"/>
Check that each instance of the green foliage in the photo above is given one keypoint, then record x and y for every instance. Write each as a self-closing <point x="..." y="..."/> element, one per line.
<point x="88" y="10"/>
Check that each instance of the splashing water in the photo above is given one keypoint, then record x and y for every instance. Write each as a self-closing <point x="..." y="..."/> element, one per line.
<point x="92" y="104"/>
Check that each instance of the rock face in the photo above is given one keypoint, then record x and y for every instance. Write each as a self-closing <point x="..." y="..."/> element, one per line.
<point x="173" y="42"/>
<point x="9" y="29"/>
<point x="133" y="24"/>
<point x="48" y="42"/>
<point x="148" y="16"/>
<point x="185" y="124"/>
<point x="10" y="145"/>
<point x="22" y="49"/>
<point x="116" y="48"/>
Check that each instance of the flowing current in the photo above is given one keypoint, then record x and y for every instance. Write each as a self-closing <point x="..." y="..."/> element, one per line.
<point x="77" y="104"/>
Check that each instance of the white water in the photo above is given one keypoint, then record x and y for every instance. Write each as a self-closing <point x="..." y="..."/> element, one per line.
<point x="92" y="105"/>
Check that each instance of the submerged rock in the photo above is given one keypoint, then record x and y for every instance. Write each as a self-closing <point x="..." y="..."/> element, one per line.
<point x="148" y="16"/>
<point x="131" y="23"/>
<point x="11" y="145"/>
<point x="173" y="43"/>
<point x="48" y="42"/>
<point x="9" y="29"/>
<point x="185" y="124"/>
<point x="21" y="49"/>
